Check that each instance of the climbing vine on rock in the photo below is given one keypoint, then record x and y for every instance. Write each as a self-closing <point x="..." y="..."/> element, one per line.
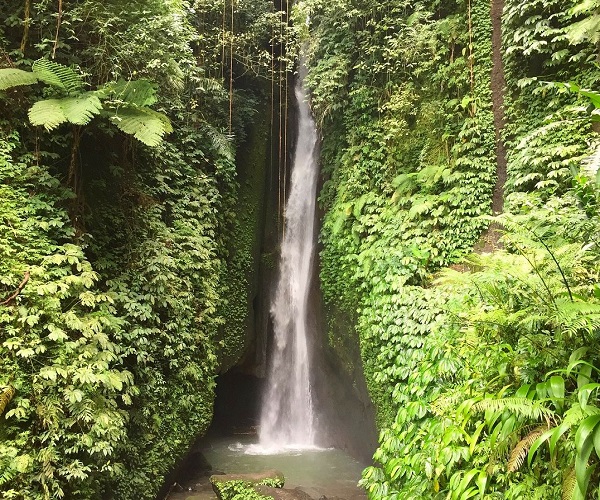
<point x="402" y="96"/>
<point x="410" y="158"/>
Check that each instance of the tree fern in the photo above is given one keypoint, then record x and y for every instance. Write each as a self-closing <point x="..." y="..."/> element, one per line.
<point x="136" y="92"/>
<point x="12" y="77"/>
<point x="126" y="102"/>
<point x="78" y="110"/>
<point x="57" y="75"/>
<point x="146" y="125"/>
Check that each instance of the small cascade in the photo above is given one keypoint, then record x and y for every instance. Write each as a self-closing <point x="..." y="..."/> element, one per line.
<point x="287" y="418"/>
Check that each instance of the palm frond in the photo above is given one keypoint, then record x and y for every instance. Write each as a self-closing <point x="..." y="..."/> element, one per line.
<point x="13" y="77"/>
<point x="519" y="452"/>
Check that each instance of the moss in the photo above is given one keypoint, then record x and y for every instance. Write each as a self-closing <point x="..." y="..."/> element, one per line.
<point x="243" y="486"/>
<point x="238" y="490"/>
<point x="241" y="273"/>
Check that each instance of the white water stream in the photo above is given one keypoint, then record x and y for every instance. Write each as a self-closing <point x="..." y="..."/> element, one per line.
<point x="287" y="419"/>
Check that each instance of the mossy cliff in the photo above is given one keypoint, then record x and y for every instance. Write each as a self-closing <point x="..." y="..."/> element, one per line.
<point x="413" y="152"/>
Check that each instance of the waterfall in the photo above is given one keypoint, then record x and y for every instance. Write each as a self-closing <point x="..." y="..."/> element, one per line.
<point x="287" y="414"/>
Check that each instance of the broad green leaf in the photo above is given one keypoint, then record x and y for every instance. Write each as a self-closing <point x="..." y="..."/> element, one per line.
<point x="482" y="480"/>
<point x="49" y="373"/>
<point x="537" y="443"/>
<point x="557" y="432"/>
<point x="523" y="391"/>
<point x="584" y="393"/>
<point x="585" y="375"/>
<point x="474" y="438"/>
<point x="557" y="390"/>
<point x="584" y="443"/>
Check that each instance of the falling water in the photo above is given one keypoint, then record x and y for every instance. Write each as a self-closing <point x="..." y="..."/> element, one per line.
<point x="287" y="414"/>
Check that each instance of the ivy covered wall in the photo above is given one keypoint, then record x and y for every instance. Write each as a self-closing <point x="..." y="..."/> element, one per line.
<point x="121" y="262"/>
<point x="402" y="93"/>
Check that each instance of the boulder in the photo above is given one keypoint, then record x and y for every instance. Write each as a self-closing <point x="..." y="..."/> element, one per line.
<point x="228" y="485"/>
<point x="283" y="494"/>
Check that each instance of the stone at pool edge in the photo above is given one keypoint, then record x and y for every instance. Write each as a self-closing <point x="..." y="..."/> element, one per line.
<point x="282" y="494"/>
<point x="252" y="478"/>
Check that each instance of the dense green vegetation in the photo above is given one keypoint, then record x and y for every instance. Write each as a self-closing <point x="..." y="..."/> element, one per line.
<point x="483" y="375"/>
<point x="128" y="234"/>
<point x="117" y="226"/>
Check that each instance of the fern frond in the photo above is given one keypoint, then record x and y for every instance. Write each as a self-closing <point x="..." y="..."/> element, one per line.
<point x="48" y="113"/>
<point x="58" y="76"/>
<point x="5" y="397"/>
<point x="220" y="142"/>
<point x="78" y="110"/>
<point x="146" y="125"/>
<point x="539" y="132"/>
<point x="519" y="452"/>
<point x="586" y="29"/>
<point x="210" y="85"/>
<point x="446" y="402"/>
<point x="81" y="109"/>
<point x="569" y="484"/>
<point x="12" y="77"/>
<point x="7" y="475"/>
<point x="578" y="316"/>
<point x="136" y="92"/>
<point x="584" y="6"/>
<point x="521" y="407"/>
<point x="590" y="164"/>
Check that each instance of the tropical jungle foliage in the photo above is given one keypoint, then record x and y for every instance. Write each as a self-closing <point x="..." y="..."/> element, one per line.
<point x="128" y="233"/>
<point x="484" y="374"/>
<point x="120" y="123"/>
